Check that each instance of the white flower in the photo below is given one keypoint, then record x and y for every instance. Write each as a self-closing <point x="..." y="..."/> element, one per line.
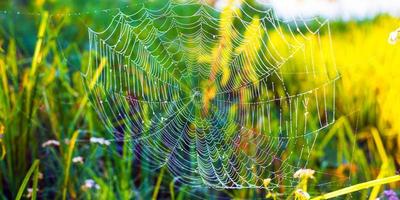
<point x="302" y="195"/>
<point x="304" y="173"/>
<point x="89" y="184"/>
<point x="77" y="159"/>
<point x="30" y="191"/>
<point x="394" y="36"/>
<point x="51" y="143"/>
<point x="40" y="175"/>
<point x="101" y="141"/>
<point x="67" y="141"/>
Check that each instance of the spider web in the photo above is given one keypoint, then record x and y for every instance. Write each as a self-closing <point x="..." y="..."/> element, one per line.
<point x="216" y="96"/>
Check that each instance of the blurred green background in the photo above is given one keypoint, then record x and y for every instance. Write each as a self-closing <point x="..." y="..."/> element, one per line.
<point x="42" y="98"/>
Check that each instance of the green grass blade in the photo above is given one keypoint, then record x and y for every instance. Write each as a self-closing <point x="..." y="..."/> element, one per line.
<point x="358" y="187"/>
<point x="26" y="179"/>
<point x="157" y="187"/>
<point x="68" y="163"/>
<point x="35" y="183"/>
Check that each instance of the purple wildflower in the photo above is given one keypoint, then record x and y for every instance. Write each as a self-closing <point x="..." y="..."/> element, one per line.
<point x="390" y="195"/>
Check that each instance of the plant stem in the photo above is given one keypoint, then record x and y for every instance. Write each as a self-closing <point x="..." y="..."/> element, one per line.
<point x="85" y="98"/>
<point x="157" y="187"/>
<point x="35" y="183"/>
<point x="26" y="179"/>
<point x="358" y="187"/>
<point x="68" y="163"/>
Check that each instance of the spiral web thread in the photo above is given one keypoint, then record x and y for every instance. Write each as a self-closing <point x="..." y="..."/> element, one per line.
<point x="202" y="91"/>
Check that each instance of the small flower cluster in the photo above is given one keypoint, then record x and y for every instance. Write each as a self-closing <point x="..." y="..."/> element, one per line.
<point x="101" y="141"/>
<point x="304" y="174"/>
<point x="51" y="143"/>
<point x="301" y="195"/>
<point x="29" y="192"/>
<point x="390" y="195"/>
<point x="89" y="184"/>
<point x="77" y="159"/>
<point x="266" y="183"/>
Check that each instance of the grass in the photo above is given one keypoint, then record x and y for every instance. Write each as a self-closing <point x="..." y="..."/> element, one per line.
<point x="34" y="169"/>
<point x="42" y="97"/>
<point x="358" y="187"/>
<point x="68" y="163"/>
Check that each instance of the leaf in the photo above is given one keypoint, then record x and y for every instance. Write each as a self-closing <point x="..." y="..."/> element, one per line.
<point x="26" y="179"/>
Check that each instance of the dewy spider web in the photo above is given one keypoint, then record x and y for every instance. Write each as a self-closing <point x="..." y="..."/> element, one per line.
<point x="202" y="91"/>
